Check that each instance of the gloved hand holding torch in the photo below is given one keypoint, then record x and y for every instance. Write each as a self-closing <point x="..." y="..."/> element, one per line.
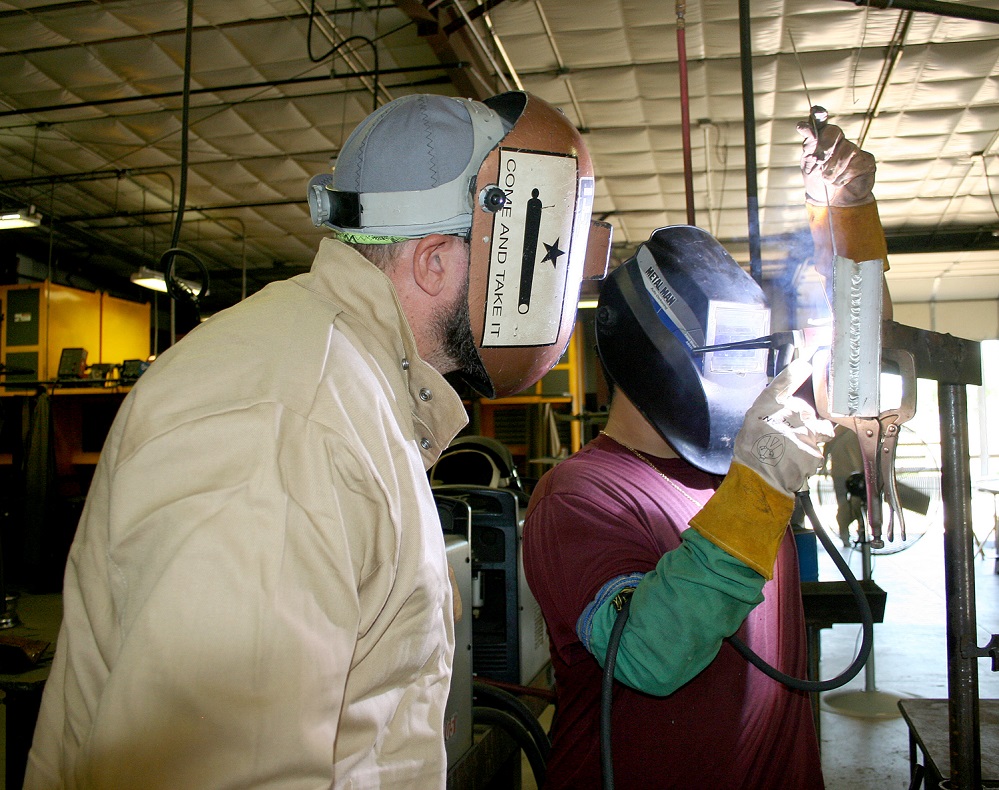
<point x="775" y="452"/>
<point x="842" y="212"/>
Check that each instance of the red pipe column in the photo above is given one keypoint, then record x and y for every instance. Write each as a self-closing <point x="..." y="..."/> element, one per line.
<point x="681" y="52"/>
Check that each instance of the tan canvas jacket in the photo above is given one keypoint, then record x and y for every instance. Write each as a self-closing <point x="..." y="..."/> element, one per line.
<point x="257" y="595"/>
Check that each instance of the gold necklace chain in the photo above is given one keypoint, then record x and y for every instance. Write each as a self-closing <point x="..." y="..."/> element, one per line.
<point x="682" y="491"/>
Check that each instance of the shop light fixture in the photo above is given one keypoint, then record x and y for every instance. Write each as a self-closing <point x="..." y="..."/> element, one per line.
<point x="155" y="281"/>
<point x="20" y="218"/>
<point x="149" y="278"/>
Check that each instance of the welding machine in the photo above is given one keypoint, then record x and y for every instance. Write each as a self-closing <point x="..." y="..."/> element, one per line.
<point x="455" y="516"/>
<point x="509" y="640"/>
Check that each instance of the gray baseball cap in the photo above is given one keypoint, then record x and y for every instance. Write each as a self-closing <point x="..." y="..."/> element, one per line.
<point x="408" y="170"/>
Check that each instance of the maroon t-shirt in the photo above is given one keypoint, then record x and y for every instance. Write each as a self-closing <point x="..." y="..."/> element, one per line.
<point x="604" y="513"/>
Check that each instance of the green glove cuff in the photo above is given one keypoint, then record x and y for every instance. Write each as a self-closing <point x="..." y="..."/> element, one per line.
<point x="856" y="230"/>
<point x="747" y="518"/>
<point x="696" y="596"/>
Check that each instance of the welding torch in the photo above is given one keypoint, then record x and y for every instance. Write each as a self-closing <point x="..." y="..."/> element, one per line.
<point x="877" y="433"/>
<point x="782" y="346"/>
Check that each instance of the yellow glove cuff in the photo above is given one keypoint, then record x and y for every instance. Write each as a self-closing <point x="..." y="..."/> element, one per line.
<point x="747" y="518"/>
<point x="856" y="230"/>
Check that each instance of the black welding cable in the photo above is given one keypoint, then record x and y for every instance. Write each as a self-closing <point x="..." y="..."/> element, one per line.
<point x="866" y="618"/>
<point x="176" y="287"/>
<point x="336" y="48"/>
<point x="867" y="621"/>
<point x="485" y="694"/>
<point x="516" y="730"/>
<point x="167" y="259"/>
<point x="185" y="114"/>
<point x="607" y="694"/>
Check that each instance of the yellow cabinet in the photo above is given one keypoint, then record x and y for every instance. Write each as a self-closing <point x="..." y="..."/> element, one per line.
<point x="41" y="319"/>
<point x="526" y="422"/>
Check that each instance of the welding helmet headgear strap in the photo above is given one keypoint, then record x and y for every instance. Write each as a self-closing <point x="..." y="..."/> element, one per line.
<point x="679" y="292"/>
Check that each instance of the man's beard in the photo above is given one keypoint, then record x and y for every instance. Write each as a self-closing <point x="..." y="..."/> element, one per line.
<point x="454" y="333"/>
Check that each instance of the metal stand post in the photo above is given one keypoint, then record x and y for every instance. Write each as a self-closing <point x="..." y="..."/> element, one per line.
<point x="954" y="363"/>
<point x="962" y="674"/>
<point x="869" y="703"/>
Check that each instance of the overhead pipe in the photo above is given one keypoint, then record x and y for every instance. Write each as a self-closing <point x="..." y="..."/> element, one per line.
<point x="974" y="13"/>
<point x="459" y="22"/>
<point x="94" y="175"/>
<point x="73" y="5"/>
<point x="706" y="125"/>
<point x="494" y="37"/>
<point x="201" y="209"/>
<point x="485" y="50"/>
<point x="749" y="131"/>
<point x="681" y="53"/>
<point x="151" y="36"/>
<point x="892" y="56"/>
<point x="226" y="88"/>
<point x="218" y="106"/>
<point x="563" y="69"/>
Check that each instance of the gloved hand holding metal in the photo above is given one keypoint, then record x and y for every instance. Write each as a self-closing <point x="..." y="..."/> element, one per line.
<point x="776" y="450"/>
<point x="837" y="172"/>
<point x="839" y="179"/>
<point x="780" y="436"/>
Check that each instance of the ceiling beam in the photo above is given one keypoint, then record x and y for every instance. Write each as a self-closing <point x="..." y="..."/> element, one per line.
<point x="936" y="240"/>
<point x="975" y="13"/>
<point x="454" y="47"/>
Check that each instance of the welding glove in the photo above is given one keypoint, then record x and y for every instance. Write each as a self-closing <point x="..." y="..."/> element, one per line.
<point x="839" y="179"/>
<point x="775" y="452"/>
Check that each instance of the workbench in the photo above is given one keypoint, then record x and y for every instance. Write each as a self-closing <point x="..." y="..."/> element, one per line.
<point x="929" y="735"/>
<point x="828" y="603"/>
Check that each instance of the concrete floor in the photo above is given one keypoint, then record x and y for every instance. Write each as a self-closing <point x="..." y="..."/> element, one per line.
<point x="910" y="661"/>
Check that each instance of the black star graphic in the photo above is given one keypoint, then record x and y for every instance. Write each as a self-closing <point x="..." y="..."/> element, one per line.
<point x="554" y="253"/>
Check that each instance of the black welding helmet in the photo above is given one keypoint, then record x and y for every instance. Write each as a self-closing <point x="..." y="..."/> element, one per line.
<point x="682" y="291"/>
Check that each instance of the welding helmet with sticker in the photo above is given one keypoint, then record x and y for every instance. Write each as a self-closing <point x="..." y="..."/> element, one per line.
<point x="513" y="176"/>
<point x="679" y="292"/>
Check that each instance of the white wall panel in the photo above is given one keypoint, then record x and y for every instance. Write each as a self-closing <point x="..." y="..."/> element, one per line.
<point x="974" y="320"/>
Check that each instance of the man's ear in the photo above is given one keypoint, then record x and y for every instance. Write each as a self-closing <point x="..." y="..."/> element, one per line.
<point x="433" y="261"/>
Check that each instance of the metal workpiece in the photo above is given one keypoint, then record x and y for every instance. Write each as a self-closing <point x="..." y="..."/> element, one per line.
<point x="940" y="357"/>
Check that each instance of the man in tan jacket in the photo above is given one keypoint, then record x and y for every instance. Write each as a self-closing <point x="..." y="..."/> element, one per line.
<point x="257" y="595"/>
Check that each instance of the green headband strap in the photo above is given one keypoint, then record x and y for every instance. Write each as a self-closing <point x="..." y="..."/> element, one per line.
<point x="363" y="238"/>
